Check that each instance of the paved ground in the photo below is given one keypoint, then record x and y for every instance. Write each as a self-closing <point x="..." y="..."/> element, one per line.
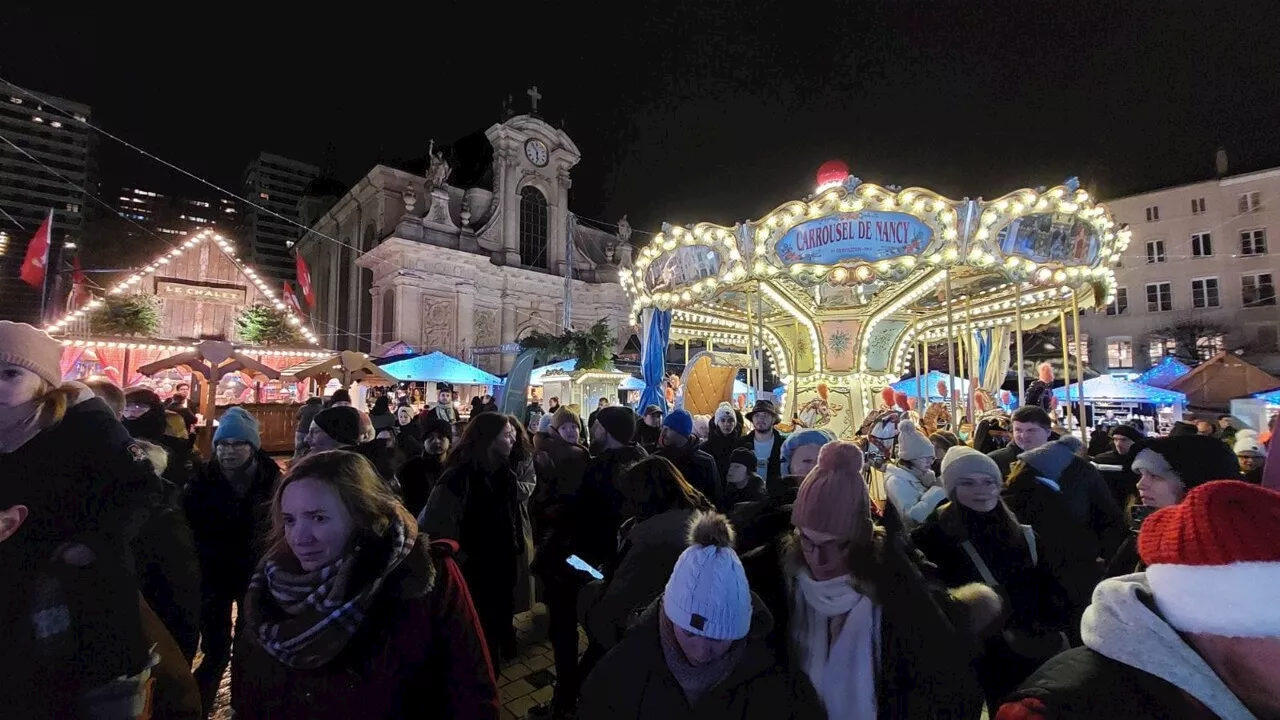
<point x="523" y="683"/>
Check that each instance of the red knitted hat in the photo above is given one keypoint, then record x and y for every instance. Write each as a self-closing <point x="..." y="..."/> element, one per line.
<point x="1213" y="560"/>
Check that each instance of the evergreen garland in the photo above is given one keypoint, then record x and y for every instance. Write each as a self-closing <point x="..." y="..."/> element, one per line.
<point x="264" y="325"/>
<point x="121" y="315"/>
<point x="593" y="348"/>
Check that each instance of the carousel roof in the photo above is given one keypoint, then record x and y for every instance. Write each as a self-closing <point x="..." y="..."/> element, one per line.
<point x="1114" y="388"/>
<point x="439" y="367"/>
<point x="856" y="272"/>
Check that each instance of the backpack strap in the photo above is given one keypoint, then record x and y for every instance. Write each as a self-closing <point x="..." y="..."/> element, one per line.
<point x="979" y="563"/>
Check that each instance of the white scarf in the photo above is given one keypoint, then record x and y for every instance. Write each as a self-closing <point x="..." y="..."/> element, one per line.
<point x="844" y="671"/>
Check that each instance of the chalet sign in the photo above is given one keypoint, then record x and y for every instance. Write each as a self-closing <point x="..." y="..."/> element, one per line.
<point x="504" y="349"/>
<point x="202" y="292"/>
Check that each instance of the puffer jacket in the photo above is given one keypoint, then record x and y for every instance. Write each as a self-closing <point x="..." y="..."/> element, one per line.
<point x="910" y="497"/>
<point x="634" y="682"/>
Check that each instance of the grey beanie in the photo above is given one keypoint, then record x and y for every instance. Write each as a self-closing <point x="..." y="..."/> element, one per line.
<point x="962" y="461"/>
<point x="1051" y="459"/>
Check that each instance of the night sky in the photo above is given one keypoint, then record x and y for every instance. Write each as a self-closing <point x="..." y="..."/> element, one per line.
<point x="683" y="111"/>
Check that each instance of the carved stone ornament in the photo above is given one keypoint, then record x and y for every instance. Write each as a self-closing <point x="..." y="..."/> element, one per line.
<point x="437" y="322"/>
<point x="410" y="195"/>
<point x="624" y="230"/>
<point x="486" y="325"/>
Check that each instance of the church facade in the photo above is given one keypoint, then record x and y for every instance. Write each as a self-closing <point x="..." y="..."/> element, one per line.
<point x="443" y="263"/>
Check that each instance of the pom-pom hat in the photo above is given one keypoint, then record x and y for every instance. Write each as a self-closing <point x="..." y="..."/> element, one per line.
<point x="833" y="498"/>
<point x="912" y="444"/>
<point x="1213" y="560"/>
<point x="707" y="593"/>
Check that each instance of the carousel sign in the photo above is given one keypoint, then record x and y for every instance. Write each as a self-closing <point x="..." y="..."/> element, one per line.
<point x="867" y="236"/>
<point x="222" y="295"/>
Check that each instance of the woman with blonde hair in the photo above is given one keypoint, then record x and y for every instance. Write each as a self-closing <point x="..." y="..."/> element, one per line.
<point x="352" y="612"/>
<point x="81" y="488"/>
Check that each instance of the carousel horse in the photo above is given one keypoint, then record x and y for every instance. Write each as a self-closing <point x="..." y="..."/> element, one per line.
<point x="936" y="417"/>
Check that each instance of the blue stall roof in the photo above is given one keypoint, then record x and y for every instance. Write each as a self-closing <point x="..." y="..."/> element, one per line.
<point x="1163" y="373"/>
<point x="632" y="383"/>
<point x="1116" y="389"/>
<point x="567" y="366"/>
<point x="438" y="367"/>
<point x="931" y="379"/>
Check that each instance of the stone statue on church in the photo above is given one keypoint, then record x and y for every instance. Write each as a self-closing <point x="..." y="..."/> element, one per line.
<point x="438" y="171"/>
<point x="624" y="230"/>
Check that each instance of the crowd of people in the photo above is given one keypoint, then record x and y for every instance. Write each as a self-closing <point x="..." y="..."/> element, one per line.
<point x="725" y="570"/>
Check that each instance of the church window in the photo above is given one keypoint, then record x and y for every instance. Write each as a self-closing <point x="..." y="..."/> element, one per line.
<point x="388" y="316"/>
<point x="533" y="227"/>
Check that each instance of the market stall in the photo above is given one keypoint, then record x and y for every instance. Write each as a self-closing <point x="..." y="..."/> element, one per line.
<point x="835" y="296"/>
<point x="1214" y="383"/>
<point x="1111" y="399"/>
<point x="437" y="370"/>
<point x="343" y="368"/>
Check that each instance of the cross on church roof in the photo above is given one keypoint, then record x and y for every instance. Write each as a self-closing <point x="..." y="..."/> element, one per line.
<point x="535" y="96"/>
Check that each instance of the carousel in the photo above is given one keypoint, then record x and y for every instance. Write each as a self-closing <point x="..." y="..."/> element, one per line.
<point x="840" y="295"/>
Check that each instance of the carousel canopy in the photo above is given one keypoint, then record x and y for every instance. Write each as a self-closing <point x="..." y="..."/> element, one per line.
<point x="439" y="367"/>
<point x="1112" y="388"/>
<point x="931" y="380"/>
<point x="1164" y="373"/>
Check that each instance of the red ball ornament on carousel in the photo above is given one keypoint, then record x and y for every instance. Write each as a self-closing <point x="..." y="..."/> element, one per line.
<point x="832" y="172"/>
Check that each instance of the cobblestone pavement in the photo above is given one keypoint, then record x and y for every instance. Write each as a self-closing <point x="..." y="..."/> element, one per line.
<point x="523" y="683"/>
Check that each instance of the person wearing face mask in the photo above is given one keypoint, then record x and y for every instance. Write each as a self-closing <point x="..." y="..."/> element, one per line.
<point x="913" y="489"/>
<point x="856" y="615"/>
<point x="975" y="538"/>
<point x="476" y="502"/>
<point x="77" y="490"/>
<point x="353" y="612"/>
<point x="699" y="649"/>
<point x="226" y="506"/>
<point x="419" y="475"/>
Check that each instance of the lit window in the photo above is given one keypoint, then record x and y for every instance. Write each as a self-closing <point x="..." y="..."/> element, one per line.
<point x="69" y="245"/>
<point x="1210" y="345"/>
<point x="1159" y="297"/>
<point x="199" y="203"/>
<point x="56" y="124"/>
<point x="1120" y="353"/>
<point x="81" y="118"/>
<point x="264" y="196"/>
<point x="1120" y="303"/>
<point x="1253" y="242"/>
<point x="1257" y="290"/>
<point x="1204" y="292"/>
<point x="15" y="100"/>
<point x="1201" y="244"/>
<point x="37" y="118"/>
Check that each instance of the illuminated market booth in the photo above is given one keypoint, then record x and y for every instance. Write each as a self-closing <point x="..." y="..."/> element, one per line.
<point x="842" y="292"/>
<point x="191" y="316"/>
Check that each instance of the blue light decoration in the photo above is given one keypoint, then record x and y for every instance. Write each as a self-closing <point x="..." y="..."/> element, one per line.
<point x="1110" y="388"/>
<point x="1162" y="374"/>
<point x="931" y="379"/>
<point x="439" y="367"/>
<point x="1270" y="397"/>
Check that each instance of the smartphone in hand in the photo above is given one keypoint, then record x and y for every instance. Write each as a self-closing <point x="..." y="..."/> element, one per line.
<point x="579" y="564"/>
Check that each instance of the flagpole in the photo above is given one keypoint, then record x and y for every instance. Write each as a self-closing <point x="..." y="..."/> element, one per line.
<point x="44" y="289"/>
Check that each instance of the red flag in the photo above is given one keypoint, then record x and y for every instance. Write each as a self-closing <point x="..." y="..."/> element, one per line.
<point x="79" y="284"/>
<point x="37" y="256"/>
<point x="304" y="281"/>
<point x="291" y="298"/>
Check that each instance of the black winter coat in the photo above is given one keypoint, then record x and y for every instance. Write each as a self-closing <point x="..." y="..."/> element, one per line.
<point x="83" y="481"/>
<point x="417" y="479"/>
<point x="720" y="446"/>
<point x="699" y="468"/>
<point x="228" y="527"/>
<point x="634" y="682"/>
<point x="597" y="507"/>
<point x="169" y="570"/>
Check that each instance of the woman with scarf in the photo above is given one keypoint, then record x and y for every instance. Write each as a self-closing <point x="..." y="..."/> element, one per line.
<point x="699" y="649"/>
<point x="975" y="538"/>
<point x="476" y="501"/>
<point x="910" y="483"/>
<point x="856" y="615"/>
<point x="352" y="612"/>
<point x="724" y="435"/>
<point x="80" y="489"/>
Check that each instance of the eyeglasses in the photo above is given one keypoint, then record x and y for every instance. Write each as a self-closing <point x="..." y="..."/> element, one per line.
<point x="833" y="545"/>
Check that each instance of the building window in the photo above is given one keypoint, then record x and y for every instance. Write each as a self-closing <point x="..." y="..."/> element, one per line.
<point x="1209" y="345"/>
<point x="1249" y="202"/>
<point x="388" y="316"/>
<point x="1201" y="244"/>
<point x="1082" y="350"/>
<point x="1257" y="290"/>
<point x="1159" y="349"/>
<point x="1253" y="242"/>
<point x="1153" y="213"/>
<point x="533" y="227"/>
<point x="1204" y="292"/>
<point x="1120" y="353"/>
<point x="1155" y="251"/>
<point x="1120" y="303"/>
<point x="1197" y="206"/>
<point x="1159" y="297"/>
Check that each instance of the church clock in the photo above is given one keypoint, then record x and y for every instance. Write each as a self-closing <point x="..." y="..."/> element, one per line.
<point x="536" y="151"/>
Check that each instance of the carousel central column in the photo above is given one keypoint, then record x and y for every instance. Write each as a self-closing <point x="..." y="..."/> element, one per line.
<point x="951" y="352"/>
<point x="1017" y="329"/>
<point x="1075" y="325"/>
<point x="1066" y="364"/>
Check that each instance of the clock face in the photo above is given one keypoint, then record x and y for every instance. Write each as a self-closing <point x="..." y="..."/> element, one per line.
<point x="536" y="151"/>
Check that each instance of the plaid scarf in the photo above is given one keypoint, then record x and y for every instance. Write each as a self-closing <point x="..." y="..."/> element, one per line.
<point x="306" y="618"/>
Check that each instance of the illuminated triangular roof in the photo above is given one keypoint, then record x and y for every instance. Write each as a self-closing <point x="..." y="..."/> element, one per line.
<point x="193" y="240"/>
